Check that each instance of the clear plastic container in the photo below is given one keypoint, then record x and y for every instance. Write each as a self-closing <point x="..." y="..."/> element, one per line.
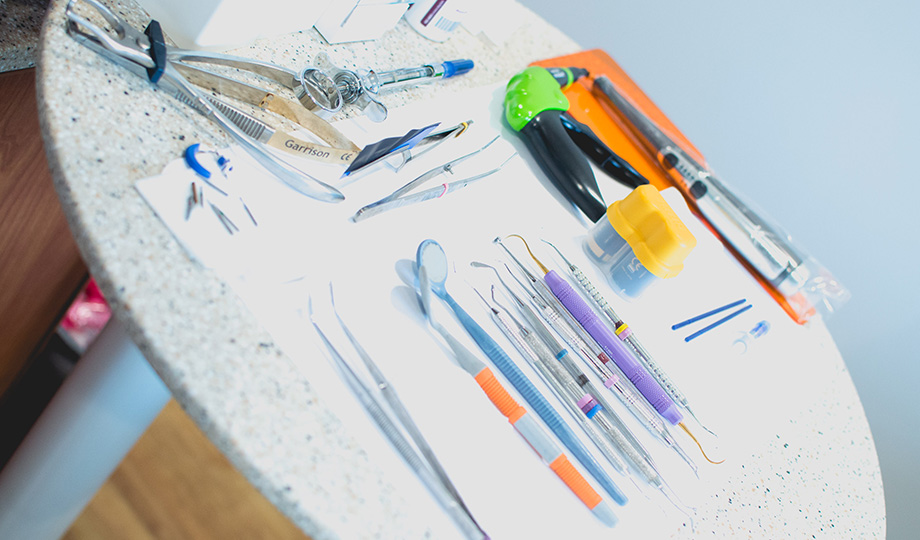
<point x="638" y="241"/>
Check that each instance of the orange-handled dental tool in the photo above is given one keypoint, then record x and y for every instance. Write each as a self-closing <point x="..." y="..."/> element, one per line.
<point x="522" y="421"/>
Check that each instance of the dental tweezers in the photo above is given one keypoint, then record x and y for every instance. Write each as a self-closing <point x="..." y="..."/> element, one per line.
<point x="386" y="410"/>
<point x="401" y="197"/>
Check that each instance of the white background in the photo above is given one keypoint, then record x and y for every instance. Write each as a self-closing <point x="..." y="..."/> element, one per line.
<point x="810" y="109"/>
<point x="274" y="268"/>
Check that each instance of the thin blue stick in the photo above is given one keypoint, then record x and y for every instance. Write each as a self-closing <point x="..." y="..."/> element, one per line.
<point x="707" y="314"/>
<point x="728" y="317"/>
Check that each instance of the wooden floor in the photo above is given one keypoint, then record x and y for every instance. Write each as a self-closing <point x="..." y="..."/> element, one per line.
<point x="175" y="484"/>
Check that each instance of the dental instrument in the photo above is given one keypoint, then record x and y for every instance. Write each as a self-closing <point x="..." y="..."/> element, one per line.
<point x="363" y="86"/>
<point x="604" y="425"/>
<point x="431" y="255"/>
<point x="564" y="148"/>
<point x="629" y="366"/>
<point x="625" y="333"/>
<point x="268" y="100"/>
<point x="582" y="407"/>
<point x="224" y="220"/>
<point x="517" y="416"/>
<point x="395" y="423"/>
<point x="647" y="417"/>
<point x="555" y="314"/>
<point x="147" y="54"/>
<point x="400" y="197"/>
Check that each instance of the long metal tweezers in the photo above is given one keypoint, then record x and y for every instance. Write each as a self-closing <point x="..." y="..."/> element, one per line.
<point x="395" y="423"/>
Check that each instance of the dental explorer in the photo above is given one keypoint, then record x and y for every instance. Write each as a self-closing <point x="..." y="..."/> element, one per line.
<point x="625" y="333"/>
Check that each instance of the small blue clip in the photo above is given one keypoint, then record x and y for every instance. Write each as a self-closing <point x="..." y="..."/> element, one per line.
<point x="191" y="158"/>
<point x="223" y="163"/>
<point x="192" y="161"/>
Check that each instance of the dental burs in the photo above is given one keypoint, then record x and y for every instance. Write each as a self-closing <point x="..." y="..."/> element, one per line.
<point x="432" y="256"/>
<point x="400" y="197"/>
<point x="622" y="330"/>
<point x="523" y="422"/>
<point x="333" y="87"/>
<point x="146" y="54"/>
<point x="395" y="423"/>
<point x="627" y="394"/>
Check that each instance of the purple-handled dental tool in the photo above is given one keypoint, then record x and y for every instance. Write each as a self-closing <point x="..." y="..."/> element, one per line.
<point x="621" y="356"/>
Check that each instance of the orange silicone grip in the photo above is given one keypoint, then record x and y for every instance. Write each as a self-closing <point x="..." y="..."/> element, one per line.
<point x="499" y="396"/>
<point x="576" y="482"/>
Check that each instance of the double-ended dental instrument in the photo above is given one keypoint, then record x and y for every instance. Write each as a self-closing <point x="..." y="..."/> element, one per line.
<point x="600" y="423"/>
<point x="653" y="393"/>
<point x="625" y="333"/>
<point x="431" y="255"/>
<point x="524" y="423"/>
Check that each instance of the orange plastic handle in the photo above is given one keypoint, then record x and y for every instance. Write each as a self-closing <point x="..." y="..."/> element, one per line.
<point x="499" y="396"/>
<point x="576" y="482"/>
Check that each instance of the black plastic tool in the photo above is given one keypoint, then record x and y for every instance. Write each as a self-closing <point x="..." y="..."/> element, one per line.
<point x="536" y="107"/>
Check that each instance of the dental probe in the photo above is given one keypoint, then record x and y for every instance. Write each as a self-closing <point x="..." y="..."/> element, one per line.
<point x="625" y="333"/>
<point x="556" y="316"/>
<point x="629" y="366"/>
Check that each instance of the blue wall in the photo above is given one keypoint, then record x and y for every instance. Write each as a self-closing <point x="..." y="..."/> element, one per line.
<point x="811" y="110"/>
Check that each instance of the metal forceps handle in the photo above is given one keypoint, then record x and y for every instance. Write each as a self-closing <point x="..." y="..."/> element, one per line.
<point x="290" y="175"/>
<point x="133" y="46"/>
<point x="128" y="43"/>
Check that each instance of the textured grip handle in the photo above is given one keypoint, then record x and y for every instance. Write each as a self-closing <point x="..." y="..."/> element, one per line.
<point x="576" y="482"/>
<point x="535" y="399"/>
<point x="644" y="383"/>
<point x="499" y="396"/>
<point x="504" y="364"/>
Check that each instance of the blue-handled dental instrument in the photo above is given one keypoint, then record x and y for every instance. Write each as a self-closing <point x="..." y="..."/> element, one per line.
<point x="431" y="255"/>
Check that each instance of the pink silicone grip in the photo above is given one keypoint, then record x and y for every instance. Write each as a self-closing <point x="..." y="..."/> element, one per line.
<point x="634" y="371"/>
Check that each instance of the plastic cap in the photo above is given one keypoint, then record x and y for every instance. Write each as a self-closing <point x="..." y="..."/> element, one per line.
<point x="656" y="235"/>
<point x="456" y="67"/>
<point x="529" y="93"/>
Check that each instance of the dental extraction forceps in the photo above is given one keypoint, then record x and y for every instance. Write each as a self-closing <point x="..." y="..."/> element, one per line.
<point x="147" y="54"/>
<point x="400" y="198"/>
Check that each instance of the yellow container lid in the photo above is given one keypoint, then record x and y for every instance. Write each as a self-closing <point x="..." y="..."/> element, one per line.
<point x="656" y="235"/>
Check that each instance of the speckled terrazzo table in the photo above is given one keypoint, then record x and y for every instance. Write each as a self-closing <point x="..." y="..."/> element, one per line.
<point x="105" y="128"/>
<point x="20" y="24"/>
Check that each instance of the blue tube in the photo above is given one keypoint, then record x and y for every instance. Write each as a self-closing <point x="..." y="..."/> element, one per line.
<point x="456" y="67"/>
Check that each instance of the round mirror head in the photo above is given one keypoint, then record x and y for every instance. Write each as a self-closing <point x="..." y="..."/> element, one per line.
<point x="431" y="255"/>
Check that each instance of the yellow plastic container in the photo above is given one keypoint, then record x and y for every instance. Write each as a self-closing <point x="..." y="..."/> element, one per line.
<point x="639" y="240"/>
